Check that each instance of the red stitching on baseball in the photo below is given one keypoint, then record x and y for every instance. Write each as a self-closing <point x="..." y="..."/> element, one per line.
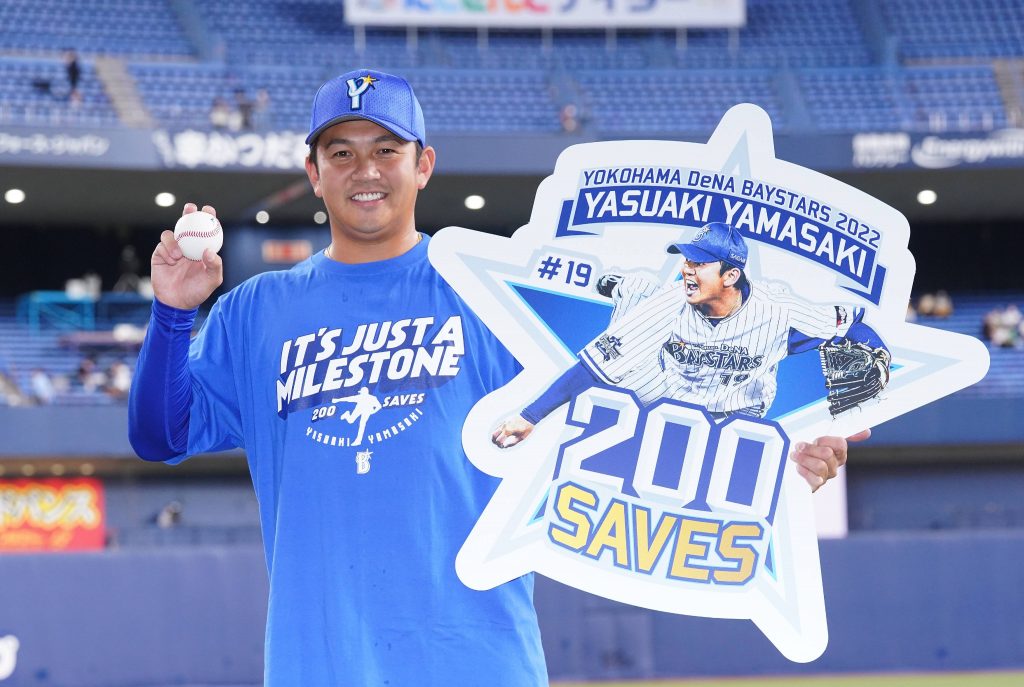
<point x="198" y="234"/>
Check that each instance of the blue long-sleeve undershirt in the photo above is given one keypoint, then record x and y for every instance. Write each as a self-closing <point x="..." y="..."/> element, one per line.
<point x="572" y="382"/>
<point x="858" y="331"/>
<point x="161" y="392"/>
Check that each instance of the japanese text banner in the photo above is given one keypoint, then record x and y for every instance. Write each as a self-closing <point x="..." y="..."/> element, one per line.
<point x="51" y="514"/>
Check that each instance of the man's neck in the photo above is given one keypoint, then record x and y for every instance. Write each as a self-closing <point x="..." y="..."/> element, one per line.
<point x="722" y="307"/>
<point x="353" y="252"/>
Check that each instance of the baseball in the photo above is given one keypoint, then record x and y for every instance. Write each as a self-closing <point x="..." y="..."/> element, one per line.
<point x="197" y="231"/>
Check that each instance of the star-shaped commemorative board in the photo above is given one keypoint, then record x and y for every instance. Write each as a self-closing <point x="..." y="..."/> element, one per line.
<point x="662" y="479"/>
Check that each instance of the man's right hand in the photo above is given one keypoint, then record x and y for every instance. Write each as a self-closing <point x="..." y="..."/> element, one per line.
<point x="178" y="281"/>
<point x="511" y="432"/>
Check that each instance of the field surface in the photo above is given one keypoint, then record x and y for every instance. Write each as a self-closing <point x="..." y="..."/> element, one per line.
<point x="1000" y="679"/>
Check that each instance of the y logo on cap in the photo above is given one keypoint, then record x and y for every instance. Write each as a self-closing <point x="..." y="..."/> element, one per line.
<point x="705" y="230"/>
<point x="356" y="88"/>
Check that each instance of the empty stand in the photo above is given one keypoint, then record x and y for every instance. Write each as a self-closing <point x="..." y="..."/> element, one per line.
<point x="36" y="91"/>
<point x="120" y="27"/>
<point x="943" y="30"/>
<point x="642" y="82"/>
<point x="651" y="102"/>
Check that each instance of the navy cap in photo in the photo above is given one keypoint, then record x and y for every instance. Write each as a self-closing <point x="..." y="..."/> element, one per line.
<point x="381" y="98"/>
<point x="715" y="241"/>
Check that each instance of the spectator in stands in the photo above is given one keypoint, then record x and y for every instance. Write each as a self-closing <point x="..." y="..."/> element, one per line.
<point x="569" y="118"/>
<point x="43" y="390"/>
<point x="943" y="304"/>
<point x="262" y="120"/>
<point x="245" y="108"/>
<point x="938" y="304"/>
<point x="989" y="324"/>
<point x="169" y="516"/>
<point x="1004" y="327"/>
<point x="220" y="114"/>
<point x="119" y="380"/>
<point x="926" y="305"/>
<point x="89" y="376"/>
<point x="128" y="282"/>
<point x="42" y="86"/>
<point x="10" y="394"/>
<point x="73" y="70"/>
<point x="1010" y="322"/>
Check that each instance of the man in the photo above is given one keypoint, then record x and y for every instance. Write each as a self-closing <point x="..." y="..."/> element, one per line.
<point x="360" y="535"/>
<point x="73" y="71"/>
<point x="709" y="338"/>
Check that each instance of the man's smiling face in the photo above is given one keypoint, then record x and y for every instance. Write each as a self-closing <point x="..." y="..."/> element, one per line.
<point x="369" y="179"/>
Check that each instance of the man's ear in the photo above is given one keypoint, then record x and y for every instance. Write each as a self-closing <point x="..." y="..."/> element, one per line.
<point x="314" y="176"/>
<point x="425" y="167"/>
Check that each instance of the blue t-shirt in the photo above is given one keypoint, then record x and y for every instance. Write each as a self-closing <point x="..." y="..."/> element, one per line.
<point x="348" y="386"/>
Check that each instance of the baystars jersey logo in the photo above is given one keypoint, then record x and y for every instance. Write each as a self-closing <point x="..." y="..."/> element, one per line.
<point x="367" y="386"/>
<point x="356" y="88"/>
<point x="721" y="357"/>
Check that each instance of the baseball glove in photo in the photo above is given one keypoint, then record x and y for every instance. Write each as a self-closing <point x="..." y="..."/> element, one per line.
<point x="854" y="372"/>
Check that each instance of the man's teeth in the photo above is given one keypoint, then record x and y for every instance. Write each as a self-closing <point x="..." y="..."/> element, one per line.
<point x="363" y="197"/>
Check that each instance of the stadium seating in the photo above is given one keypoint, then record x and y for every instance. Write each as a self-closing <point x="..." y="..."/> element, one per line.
<point x="853" y="99"/>
<point x="955" y="98"/>
<point x="221" y="512"/>
<point x="122" y="27"/>
<point x="1005" y="378"/>
<point x="57" y="348"/>
<point x="783" y="33"/>
<point x="22" y="350"/>
<point x="516" y="81"/>
<point x="35" y="91"/>
<point x="941" y="30"/>
<point x="183" y="94"/>
<point x="650" y="103"/>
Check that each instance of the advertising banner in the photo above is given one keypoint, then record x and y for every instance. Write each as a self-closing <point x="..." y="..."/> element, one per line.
<point x="900" y="150"/>
<point x="538" y="14"/>
<point x="51" y="514"/>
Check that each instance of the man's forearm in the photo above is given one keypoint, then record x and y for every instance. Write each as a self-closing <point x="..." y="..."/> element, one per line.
<point x="161" y="392"/>
<point x="572" y="382"/>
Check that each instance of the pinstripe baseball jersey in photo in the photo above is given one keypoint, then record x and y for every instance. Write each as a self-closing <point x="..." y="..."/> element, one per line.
<point x="659" y="346"/>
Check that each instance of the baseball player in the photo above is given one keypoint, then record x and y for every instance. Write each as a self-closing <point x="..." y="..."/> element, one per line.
<point x="712" y="338"/>
<point x="360" y="553"/>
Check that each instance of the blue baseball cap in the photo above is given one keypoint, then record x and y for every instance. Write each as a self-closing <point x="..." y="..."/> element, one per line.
<point x="382" y="98"/>
<point x="715" y="241"/>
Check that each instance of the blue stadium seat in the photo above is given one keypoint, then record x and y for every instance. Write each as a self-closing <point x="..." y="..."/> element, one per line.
<point x="35" y="91"/>
<point x="943" y="29"/>
<point x="517" y="80"/>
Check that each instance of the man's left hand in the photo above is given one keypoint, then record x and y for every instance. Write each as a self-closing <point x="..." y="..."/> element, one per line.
<point x="819" y="462"/>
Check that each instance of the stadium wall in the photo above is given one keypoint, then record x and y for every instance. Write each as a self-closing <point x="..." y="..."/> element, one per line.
<point x="896" y="602"/>
<point x="103" y="431"/>
<point x="534" y="153"/>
